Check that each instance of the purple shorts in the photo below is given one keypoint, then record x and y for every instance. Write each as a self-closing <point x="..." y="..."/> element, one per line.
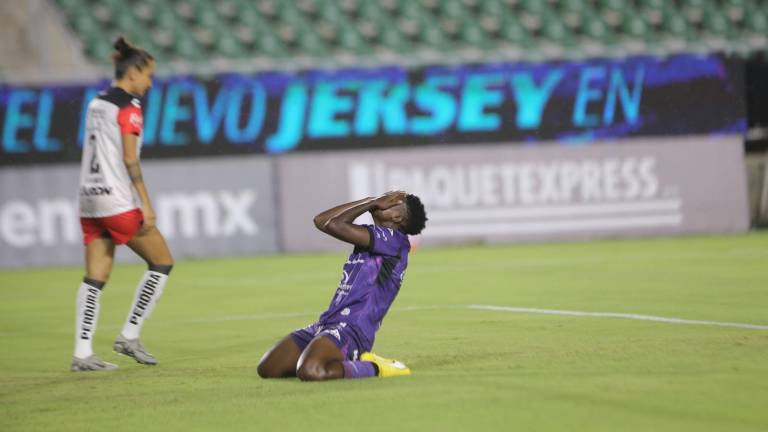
<point x="345" y="337"/>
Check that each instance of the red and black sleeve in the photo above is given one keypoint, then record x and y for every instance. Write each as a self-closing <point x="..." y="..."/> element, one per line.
<point x="130" y="119"/>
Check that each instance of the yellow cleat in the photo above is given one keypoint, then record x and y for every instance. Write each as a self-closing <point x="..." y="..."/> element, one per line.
<point x="387" y="368"/>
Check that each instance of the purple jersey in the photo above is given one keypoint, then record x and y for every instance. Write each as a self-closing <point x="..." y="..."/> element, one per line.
<point x="370" y="282"/>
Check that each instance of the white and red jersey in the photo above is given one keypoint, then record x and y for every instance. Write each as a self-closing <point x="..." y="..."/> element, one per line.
<point x="105" y="187"/>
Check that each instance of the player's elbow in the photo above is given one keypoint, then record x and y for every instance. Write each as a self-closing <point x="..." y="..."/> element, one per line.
<point x="319" y="222"/>
<point x="129" y="161"/>
<point x="331" y="226"/>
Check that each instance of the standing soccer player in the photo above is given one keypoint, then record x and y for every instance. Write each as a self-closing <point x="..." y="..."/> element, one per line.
<point x="115" y="209"/>
<point x="338" y="345"/>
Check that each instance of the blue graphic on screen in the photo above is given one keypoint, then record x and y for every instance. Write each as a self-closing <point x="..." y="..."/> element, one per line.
<point x="276" y="112"/>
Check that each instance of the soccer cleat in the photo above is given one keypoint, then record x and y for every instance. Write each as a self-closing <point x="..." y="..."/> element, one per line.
<point x="91" y="363"/>
<point x="387" y="368"/>
<point x="133" y="348"/>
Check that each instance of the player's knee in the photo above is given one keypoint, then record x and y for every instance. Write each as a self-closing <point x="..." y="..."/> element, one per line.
<point x="160" y="260"/>
<point x="270" y="367"/>
<point x="99" y="275"/>
<point x="311" y="372"/>
<point x="265" y="371"/>
<point x="168" y="259"/>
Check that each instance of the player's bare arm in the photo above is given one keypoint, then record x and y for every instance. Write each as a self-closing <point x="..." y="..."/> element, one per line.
<point x="338" y="221"/>
<point x="132" y="164"/>
<point x="323" y="217"/>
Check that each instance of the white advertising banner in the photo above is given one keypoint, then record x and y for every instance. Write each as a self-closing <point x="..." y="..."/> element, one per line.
<point x="496" y="193"/>
<point x="205" y="208"/>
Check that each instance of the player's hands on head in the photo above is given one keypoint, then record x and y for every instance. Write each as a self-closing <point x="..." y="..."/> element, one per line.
<point x="390" y="199"/>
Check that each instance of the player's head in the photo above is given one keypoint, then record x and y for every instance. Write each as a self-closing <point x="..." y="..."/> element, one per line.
<point x="415" y="217"/>
<point x="408" y="216"/>
<point x="134" y="67"/>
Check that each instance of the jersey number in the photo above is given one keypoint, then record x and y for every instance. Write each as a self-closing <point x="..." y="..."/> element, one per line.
<point x="95" y="167"/>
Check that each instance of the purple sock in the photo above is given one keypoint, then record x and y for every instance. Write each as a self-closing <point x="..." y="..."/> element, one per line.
<point x="358" y="369"/>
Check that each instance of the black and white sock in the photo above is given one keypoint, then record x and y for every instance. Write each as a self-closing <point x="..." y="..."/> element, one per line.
<point x="86" y="316"/>
<point x="147" y="295"/>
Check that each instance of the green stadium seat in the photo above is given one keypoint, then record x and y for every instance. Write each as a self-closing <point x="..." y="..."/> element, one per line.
<point x="757" y="22"/>
<point x="289" y="14"/>
<point x="155" y="4"/>
<point x="371" y="11"/>
<point x="246" y="36"/>
<point x="654" y="11"/>
<point x="311" y="43"/>
<point x="71" y="7"/>
<point x="142" y="40"/>
<point x="615" y="5"/>
<point x="166" y="19"/>
<point x="103" y="14"/>
<point x="513" y="32"/>
<point x="717" y="24"/>
<point x="452" y="9"/>
<point x="269" y="45"/>
<point x="595" y="28"/>
<point x="676" y="26"/>
<point x="392" y="39"/>
<point x="636" y="27"/>
<point x="576" y="6"/>
<point x="352" y="41"/>
<point x="412" y="12"/>
<point x="433" y="36"/>
<point x="126" y="22"/>
<point x="493" y="7"/>
<point x="85" y="25"/>
<point x="471" y="34"/>
<point x="252" y="18"/>
<point x="696" y="4"/>
<point x="99" y="49"/>
<point x="318" y="28"/>
<point x="330" y="12"/>
<point x="208" y="18"/>
<point x="534" y="7"/>
<point x="145" y="12"/>
<point x="228" y="46"/>
<point x="655" y="4"/>
<point x="736" y="9"/>
<point x="228" y="9"/>
<point x="188" y="49"/>
<point x="555" y="31"/>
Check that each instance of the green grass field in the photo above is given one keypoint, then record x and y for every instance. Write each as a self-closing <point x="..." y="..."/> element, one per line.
<point x="472" y="369"/>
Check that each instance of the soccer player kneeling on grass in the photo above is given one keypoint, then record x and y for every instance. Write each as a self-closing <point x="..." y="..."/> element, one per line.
<point x="338" y="345"/>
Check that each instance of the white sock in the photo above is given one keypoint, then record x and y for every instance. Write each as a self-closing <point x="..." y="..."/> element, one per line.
<point x="147" y="294"/>
<point x="86" y="316"/>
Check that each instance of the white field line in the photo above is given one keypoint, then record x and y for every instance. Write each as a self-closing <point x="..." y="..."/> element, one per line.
<point x="616" y="315"/>
<point x="312" y="315"/>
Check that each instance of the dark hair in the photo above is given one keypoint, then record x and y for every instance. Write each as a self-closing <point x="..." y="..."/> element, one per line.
<point x="128" y="55"/>
<point x="417" y="216"/>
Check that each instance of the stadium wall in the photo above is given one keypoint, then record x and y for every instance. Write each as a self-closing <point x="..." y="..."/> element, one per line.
<point x="259" y="204"/>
